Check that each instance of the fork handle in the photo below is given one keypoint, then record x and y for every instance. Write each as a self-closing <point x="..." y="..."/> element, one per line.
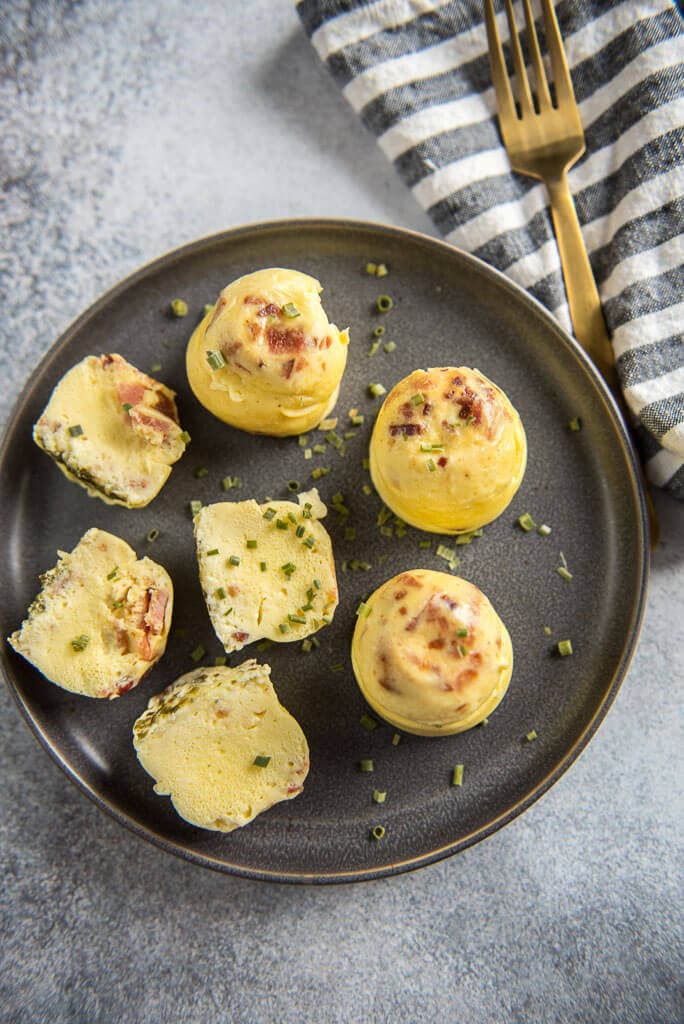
<point x="585" y="308"/>
<point x="580" y="286"/>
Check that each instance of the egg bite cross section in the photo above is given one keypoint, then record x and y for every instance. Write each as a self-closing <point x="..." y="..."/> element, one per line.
<point x="267" y="571"/>
<point x="101" y="620"/>
<point x="265" y="358"/>
<point x="430" y="654"/>
<point x="219" y="743"/>
<point x="113" y="430"/>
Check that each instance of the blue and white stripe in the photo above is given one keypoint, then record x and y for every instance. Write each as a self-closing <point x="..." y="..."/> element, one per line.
<point x="417" y="73"/>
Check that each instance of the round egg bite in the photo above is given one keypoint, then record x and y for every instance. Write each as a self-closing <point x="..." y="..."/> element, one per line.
<point x="265" y="358"/>
<point x="448" y="450"/>
<point x="430" y="654"/>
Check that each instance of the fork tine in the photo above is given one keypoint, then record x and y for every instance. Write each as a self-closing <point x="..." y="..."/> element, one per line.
<point x="526" y="104"/>
<point x="554" y="42"/>
<point x="502" y="86"/>
<point x="539" y="74"/>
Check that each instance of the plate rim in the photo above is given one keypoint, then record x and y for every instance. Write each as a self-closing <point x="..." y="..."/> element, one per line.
<point x="639" y="504"/>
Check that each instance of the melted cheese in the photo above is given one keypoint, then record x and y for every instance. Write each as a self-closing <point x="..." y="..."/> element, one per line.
<point x="450" y="463"/>
<point x="101" y="620"/>
<point x="199" y="739"/>
<point x="248" y="603"/>
<point x="432" y="657"/>
<point x="113" y="430"/>
<point x="280" y="373"/>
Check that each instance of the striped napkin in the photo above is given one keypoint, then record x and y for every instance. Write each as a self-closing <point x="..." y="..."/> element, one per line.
<point x="417" y="72"/>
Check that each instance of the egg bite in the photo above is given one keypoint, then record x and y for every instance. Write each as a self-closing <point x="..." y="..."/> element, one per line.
<point x="448" y="450"/>
<point x="101" y="620"/>
<point x="220" y="744"/>
<point x="266" y="359"/>
<point x="430" y="654"/>
<point x="113" y="430"/>
<point x="267" y="571"/>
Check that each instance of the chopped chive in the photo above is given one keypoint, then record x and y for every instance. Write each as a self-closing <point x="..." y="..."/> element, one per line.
<point x="300" y="531"/>
<point x="293" y="485"/>
<point x="457" y="776"/>
<point x="320" y="471"/>
<point x="229" y="482"/>
<point x="563" y="573"/>
<point x="179" y="307"/>
<point x="384" y="303"/>
<point x="234" y="560"/>
<point x="79" y="643"/>
<point x="290" y="311"/>
<point x="564" y="648"/>
<point x="261" y="760"/>
<point x="112" y="574"/>
<point x="250" y="543"/>
<point x="214" y="551"/>
<point x="207" y="308"/>
<point x="390" y="346"/>
<point x="431" y="447"/>
<point x="220" y="659"/>
<point x="368" y="722"/>
<point x="364" y="610"/>
<point x="431" y="465"/>
<point x="396" y="739"/>
<point x="308" y="607"/>
<point x="269" y="513"/>
<point x="338" y="666"/>
<point x="575" y="424"/>
<point x="317" y="584"/>
<point x="319" y="449"/>
<point x="463" y="650"/>
<point x="201" y="471"/>
<point x="349" y="434"/>
<point x="366" y="764"/>
<point x="328" y="424"/>
<point x="303" y="440"/>
<point x="185" y="437"/>
<point x="544" y="530"/>
<point x="526" y="522"/>
<point x="264" y="645"/>
<point x="484" y="723"/>
<point x="334" y="439"/>
<point x="195" y="507"/>
<point x="117" y="604"/>
<point x="378" y="831"/>
<point x="381" y="270"/>
<point x="262" y="566"/>
<point x="226" y="614"/>
<point x="152" y="535"/>
<point x="417" y="399"/>
<point x="220" y="593"/>
<point x="531" y="736"/>
<point x="379" y="796"/>
<point x="297" y="618"/>
<point x="448" y="554"/>
<point x="365" y="463"/>
<point x="371" y="268"/>
<point x="288" y="568"/>
<point x="308" y="454"/>
<point x="425" y="544"/>
<point x="376" y="390"/>
<point x="306" y="646"/>
<point x="358" y="419"/>
<point x="76" y="430"/>
<point x="367" y="489"/>
<point x="373" y="349"/>
<point x="282" y="524"/>
<point x="215" y="360"/>
<point x="462" y="632"/>
<point x="127" y="407"/>
<point x="547" y="630"/>
<point x="284" y="627"/>
<point x="198" y="652"/>
<point x="379" y="331"/>
<point x="291" y="516"/>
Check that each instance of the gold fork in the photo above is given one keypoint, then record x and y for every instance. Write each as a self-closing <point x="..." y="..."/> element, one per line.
<point x="543" y="142"/>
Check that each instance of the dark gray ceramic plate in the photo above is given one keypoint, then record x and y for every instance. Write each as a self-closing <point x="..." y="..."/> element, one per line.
<point x="449" y="309"/>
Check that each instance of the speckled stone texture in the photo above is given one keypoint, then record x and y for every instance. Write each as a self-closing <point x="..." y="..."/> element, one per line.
<point x="129" y="128"/>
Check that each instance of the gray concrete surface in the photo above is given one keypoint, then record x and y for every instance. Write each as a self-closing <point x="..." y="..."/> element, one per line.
<point x="129" y="128"/>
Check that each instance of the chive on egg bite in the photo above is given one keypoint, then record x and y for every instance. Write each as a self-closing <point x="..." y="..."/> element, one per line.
<point x="266" y="359"/>
<point x="448" y="451"/>
<point x="430" y="654"/>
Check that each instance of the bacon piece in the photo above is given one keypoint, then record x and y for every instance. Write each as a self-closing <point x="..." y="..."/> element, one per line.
<point x="270" y="310"/>
<point x="442" y="461"/>
<point x="287" y="368"/>
<point x="284" y="339"/>
<point x="130" y="392"/>
<point x="408" y="429"/>
<point x="154" y="618"/>
<point x="240" y="636"/>
<point x="125" y="686"/>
